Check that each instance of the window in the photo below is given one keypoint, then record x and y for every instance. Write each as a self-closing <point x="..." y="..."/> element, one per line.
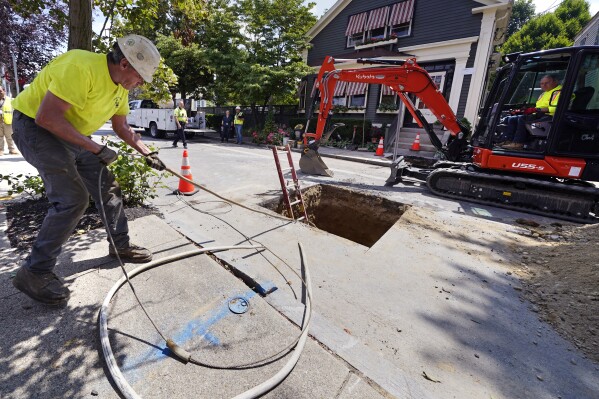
<point x="400" y="20"/>
<point x="355" y="39"/>
<point x="401" y="30"/>
<point x="355" y="29"/>
<point x="379" y="33"/>
<point x="388" y="99"/>
<point x="302" y="94"/>
<point x="358" y="101"/>
<point x="377" y="24"/>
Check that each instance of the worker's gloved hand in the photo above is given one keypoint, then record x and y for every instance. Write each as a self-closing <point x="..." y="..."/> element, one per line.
<point x="107" y="156"/>
<point x="154" y="162"/>
<point x="532" y="110"/>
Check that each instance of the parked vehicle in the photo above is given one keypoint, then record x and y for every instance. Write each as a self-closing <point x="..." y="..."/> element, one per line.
<point x="158" y="122"/>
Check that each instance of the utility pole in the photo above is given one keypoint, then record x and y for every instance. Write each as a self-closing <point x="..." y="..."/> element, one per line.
<point x="14" y="65"/>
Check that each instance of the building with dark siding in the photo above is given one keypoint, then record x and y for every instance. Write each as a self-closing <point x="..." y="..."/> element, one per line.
<point x="454" y="41"/>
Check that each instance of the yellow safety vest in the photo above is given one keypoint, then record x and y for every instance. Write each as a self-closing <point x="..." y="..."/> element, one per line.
<point x="7" y="111"/>
<point x="238" y="118"/>
<point x="181" y="114"/>
<point x="545" y="99"/>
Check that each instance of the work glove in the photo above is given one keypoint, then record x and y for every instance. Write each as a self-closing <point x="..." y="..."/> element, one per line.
<point x="532" y="110"/>
<point x="154" y="162"/>
<point x="107" y="156"/>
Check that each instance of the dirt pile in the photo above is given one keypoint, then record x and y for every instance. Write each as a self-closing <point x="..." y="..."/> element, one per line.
<point x="559" y="268"/>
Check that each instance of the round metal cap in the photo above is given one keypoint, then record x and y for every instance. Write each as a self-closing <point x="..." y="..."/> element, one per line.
<point x="239" y="305"/>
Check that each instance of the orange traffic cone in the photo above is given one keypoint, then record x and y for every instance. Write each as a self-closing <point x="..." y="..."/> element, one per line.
<point x="185" y="187"/>
<point x="416" y="144"/>
<point x="380" y="149"/>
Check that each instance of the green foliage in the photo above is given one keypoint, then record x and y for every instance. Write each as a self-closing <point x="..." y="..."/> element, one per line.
<point x="188" y="62"/>
<point x="159" y="89"/>
<point x="138" y="181"/>
<point x="388" y="107"/>
<point x="274" y="41"/>
<point x="550" y="30"/>
<point x="522" y="12"/>
<point x="269" y="123"/>
<point x="213" y="121"/>
<point x="33" y="186"/>
<point x="32" y="37"/>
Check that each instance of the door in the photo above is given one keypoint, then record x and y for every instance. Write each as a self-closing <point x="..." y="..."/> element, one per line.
<point x="439" y="80"/>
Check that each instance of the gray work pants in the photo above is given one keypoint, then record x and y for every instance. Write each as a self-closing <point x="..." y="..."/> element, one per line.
<point x="70" y="174"/>
<point x="6" y="133"/>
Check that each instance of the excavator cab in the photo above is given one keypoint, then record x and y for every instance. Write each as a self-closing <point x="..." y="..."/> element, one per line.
<point x="570" y="135"/>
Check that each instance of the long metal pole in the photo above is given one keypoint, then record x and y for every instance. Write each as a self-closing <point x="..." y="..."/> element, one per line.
<point x="14" y="65"/>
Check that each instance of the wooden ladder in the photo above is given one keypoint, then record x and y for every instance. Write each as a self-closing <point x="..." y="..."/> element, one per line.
<point x="299" y="199"/>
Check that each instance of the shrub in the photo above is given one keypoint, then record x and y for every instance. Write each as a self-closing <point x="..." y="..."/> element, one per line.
<point x="138" y="181"/>
<point x="214" y="121"/>
<point x="31" y="185"/>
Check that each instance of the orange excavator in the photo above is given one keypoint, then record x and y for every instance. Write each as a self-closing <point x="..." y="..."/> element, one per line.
<point x="550" y="174"/>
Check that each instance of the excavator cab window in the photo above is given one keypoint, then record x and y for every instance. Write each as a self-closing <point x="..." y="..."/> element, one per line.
<point x="578" y="130"/>
<point x="522" y="94"/>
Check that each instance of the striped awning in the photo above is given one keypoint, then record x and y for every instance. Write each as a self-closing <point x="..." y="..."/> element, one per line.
<point x="377" y="18"/>
<point x="356" y="88"/>
<point x="356" y="24"/>
<point x="340" y="89"/>
<point x="387" y="90"/>
<point x="402" y="12"/>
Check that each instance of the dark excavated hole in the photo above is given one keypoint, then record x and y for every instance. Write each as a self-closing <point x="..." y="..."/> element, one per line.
<point x="359" y="217"/>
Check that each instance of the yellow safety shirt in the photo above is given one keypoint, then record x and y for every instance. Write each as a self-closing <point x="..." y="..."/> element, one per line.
<point x="81" y="78"/>
<point x="545" y="99"/>
<point x="181" y="114"/>
<point x="7" y="111"/>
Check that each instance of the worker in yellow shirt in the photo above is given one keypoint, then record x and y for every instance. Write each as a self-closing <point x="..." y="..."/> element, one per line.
<point x="181" y="121"/>
<point x="71" y="98"/>
<point x="6" y="123"/>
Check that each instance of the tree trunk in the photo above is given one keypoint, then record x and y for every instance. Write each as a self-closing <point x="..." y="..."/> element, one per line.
<point x="80" y="24"/>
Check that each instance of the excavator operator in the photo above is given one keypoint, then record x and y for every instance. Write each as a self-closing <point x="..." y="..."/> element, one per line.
<point x="516" y="134"/>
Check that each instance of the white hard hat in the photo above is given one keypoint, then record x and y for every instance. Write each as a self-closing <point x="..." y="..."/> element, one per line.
<point x="141" y="53"/>
<point x="238" y="107"/>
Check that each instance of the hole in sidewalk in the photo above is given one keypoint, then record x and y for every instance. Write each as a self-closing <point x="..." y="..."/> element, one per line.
<point x="358" y="217"/>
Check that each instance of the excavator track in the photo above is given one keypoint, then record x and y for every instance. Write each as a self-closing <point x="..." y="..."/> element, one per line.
<point x="557" y="199"/>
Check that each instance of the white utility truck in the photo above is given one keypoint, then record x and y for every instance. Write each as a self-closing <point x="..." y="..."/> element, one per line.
<point x="157" y="121"/>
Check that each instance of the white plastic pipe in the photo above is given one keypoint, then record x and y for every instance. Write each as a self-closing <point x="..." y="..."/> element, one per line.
<point x="113" y="368"/>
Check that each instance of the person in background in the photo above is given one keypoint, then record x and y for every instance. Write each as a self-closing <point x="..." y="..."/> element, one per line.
<point x="71" y="98"/>
<point x="516" y="134"/>
<point x="226" y="126"/>
<point x="6" y="123"/>
<point x="181" y="121"/>
<point x="238" y="122"/>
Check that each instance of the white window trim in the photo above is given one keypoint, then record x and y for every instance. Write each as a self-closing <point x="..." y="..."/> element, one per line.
<point x="379" y="111"/>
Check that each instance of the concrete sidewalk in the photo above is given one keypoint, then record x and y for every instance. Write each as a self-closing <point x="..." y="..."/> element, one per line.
<point x="55" y="352"/>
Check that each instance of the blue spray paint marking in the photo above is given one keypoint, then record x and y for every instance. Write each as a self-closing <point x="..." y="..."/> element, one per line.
<point x="196" y="327"/>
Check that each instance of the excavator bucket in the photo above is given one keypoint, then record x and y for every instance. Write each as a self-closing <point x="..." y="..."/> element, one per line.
<point x="311" y="163"/>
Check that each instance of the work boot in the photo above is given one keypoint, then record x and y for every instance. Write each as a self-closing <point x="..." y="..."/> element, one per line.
<point x="132" y="253"/>
<point x="43" y="287"/>
<point x="13" y="152"/>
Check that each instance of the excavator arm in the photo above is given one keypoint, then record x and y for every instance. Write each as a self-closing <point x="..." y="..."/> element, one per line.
<point x="404" y="77"/>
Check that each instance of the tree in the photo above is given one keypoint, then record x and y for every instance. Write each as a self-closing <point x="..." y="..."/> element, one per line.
<point x="275" y="39"/>
<point x="32" y="39"/>
<point x="550" y="30"/>
<point x="187" y="62"/>
<point x="80" y="24"/>
<point x="522" y="12"/>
